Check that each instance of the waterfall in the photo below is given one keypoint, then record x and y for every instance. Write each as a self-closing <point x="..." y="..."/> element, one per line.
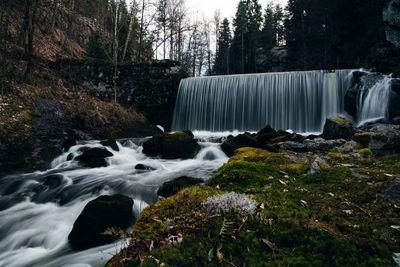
<point x="373" y="101"/>
<point x="299" y="101"/>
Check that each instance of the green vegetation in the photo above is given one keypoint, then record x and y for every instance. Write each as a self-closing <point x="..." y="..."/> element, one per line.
<point x="333" y="217"/>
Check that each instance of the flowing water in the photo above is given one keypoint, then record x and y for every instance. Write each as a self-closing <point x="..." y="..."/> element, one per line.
<point x="300" y="101"/>
<point x="373" y="100"/>
<point x="37" y="210"/>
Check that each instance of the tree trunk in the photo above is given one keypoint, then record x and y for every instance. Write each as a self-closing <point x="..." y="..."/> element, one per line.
<point x="29" y="26"/>
<point x="133" y="13"/>
<point x="115" y="52"/>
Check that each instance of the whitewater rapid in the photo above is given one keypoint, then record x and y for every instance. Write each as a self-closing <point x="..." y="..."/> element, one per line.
<point x="37" y="212"/>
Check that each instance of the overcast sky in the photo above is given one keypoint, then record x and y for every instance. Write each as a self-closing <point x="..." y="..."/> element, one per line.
<point x="227" y="7"/>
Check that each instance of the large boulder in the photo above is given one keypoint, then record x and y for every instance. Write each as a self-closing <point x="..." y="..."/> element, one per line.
<point x="266" y="134"/>
<point x="94" y="157"/>
<point x="98" y="215"/>
<point x="110" y="143"/>
<point x="382" y="139"/>
<point x="336" y="128"/>
<point x="172" y="146"/>
<point x="172" y="187"/>
<point x="242" y="140"/>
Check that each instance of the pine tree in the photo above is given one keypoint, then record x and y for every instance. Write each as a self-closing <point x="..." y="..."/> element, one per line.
<point x="221" y="65"/>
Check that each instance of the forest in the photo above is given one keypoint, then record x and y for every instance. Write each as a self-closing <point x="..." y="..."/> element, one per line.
<point x="304" y="35"/>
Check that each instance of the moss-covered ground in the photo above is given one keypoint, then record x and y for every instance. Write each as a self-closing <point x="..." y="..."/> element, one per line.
<point x="335" y="217"/>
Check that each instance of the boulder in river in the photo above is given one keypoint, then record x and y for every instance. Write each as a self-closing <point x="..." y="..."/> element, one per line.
<point x="336" y="128"/>
<point x="110" y="143"/>
<point x="94" y="157"/>
<point x="242" y="140"/>
<point x="172" y="187"/>
<point x="172" y="146"/>
<point x="98" y="215"/>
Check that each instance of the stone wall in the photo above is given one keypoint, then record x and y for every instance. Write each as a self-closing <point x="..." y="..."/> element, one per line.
<point x="150" y="88"/>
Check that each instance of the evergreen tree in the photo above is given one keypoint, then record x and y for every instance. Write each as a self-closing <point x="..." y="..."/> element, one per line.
<point x="238" y="42"/>
<point x="221" y="65"/>
<point x="246" y="40"/>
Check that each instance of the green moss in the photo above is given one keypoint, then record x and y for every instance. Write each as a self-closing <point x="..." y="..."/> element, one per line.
<point x="366" y="153"/>
<point x="242" y="176"/>
<point x="331" y="218"/>
<point x="338" y="155"/>
<point x="340" y="120"/>
<point x="250" y="154"/>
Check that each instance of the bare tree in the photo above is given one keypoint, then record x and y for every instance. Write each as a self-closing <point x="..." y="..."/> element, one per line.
<point x="115" y="46"/>
<point x="132" y="19"/>
<point x="28" y="33"/>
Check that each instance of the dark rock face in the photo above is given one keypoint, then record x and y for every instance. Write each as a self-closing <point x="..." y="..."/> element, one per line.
<point x="242" y="140"/>
<point x="110" y="143"/>
<point x="172" y="187"/>
<point x="98" y="215"/>
<point x="172" y="146"/>
<point x="337" y="128"/>
<point x="391" y="17"/>
<point x="94" y="157"/>
<point x="394" y="99"/>
<point x="150" y="88"/>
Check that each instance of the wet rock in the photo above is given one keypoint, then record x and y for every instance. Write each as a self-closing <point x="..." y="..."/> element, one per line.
<point x="94" y="157"/>
<point x="68" y="143"/>
<point x="70" y="156"/>
<point x="98" y="215"/>
<point x="242" y="140"/>
<point x="172" y="187"/>
<point x="337" y="128"/>
<point x="172" y="146"/>
<point x="53" y="180"/>
<point x="143" y="167"/>
<point x="266" y="134"/>
<point x="110" y="143"/>
<point x="209" y="156"/>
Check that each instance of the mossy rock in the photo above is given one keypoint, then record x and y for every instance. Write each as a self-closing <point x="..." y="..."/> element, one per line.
<point x="241" y="176"/>
<point x="172" y="146"/>
<point x="366" y="153"/>
<point x="250" y="154"/>
<point x="338" y="156"/>
<point x="242" y="140"/>
<point x="172" y="187"/>
<point x="363" y="138"/>
<point x="336" y="128"/>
